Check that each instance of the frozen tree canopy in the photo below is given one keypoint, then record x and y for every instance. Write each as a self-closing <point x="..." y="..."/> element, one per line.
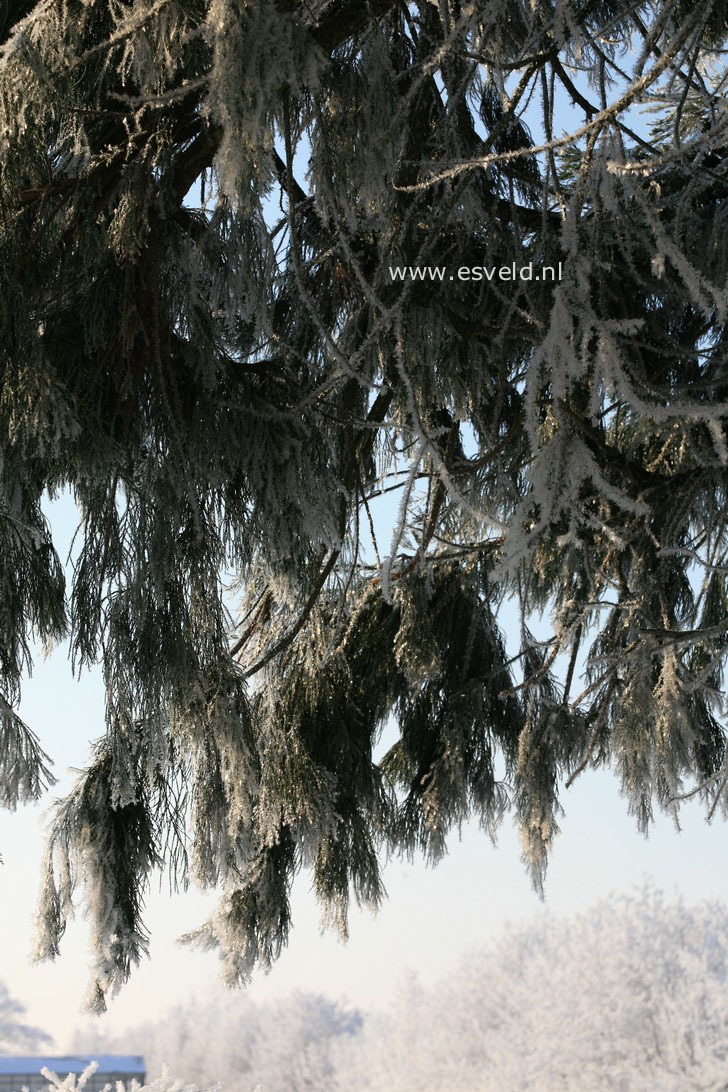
<point x="14" y="1034"/>
<point x="287" y="1045"/>
<point x="630" y="994"/>
<point x="202" y="337"/>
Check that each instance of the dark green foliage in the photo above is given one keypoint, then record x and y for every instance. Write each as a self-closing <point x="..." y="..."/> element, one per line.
<point x="201" y="337"/>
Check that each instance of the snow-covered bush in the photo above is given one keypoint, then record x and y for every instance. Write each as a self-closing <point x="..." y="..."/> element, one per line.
<point x="75" y="1082"/>
<point x="631" y="995"/>
<point x="628" y="996"/>
<point x="282" y="1046"/>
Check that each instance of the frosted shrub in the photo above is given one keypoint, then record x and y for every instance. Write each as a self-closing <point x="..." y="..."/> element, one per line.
<point x="282" y="1046"/>
<point x="629" y="995"/>
<point x="165" y="1083"/>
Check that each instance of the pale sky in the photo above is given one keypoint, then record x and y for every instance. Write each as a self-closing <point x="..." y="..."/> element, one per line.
<point x="431" y="917"/>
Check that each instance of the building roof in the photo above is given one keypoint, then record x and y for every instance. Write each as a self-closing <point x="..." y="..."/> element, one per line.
<point x="73" y="1063"/>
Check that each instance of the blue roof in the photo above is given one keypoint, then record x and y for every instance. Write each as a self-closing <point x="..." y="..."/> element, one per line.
<point x="73" y="1063"/>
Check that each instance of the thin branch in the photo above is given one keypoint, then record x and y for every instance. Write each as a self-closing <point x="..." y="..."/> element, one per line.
<point x="292" y="633"/>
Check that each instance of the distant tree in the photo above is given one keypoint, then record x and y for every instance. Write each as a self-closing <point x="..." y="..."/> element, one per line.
<point x="201" y="335"/>
<point x="281" y="1046"/>
<point x="14" y="1035"/>
<point x="630" y="995"/>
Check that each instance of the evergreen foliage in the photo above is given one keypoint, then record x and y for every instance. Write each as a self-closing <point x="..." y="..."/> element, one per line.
<point x="201" y="337"/>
